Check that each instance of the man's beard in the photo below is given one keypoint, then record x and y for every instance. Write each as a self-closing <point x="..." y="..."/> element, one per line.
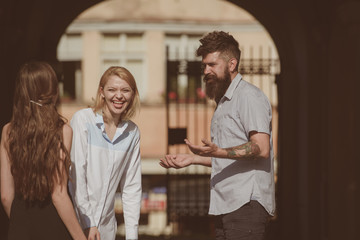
<point x="217" y="86"/>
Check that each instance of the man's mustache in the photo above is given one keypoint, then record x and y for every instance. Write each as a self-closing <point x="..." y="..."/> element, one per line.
<point x="208" y="77"/>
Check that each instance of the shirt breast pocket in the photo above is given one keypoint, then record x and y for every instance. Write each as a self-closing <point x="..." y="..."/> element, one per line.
<point x="231" y="131"/>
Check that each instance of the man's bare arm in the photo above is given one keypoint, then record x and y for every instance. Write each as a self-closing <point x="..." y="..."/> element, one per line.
<point x="258" y="147"/>
<point x="248" y="151"/>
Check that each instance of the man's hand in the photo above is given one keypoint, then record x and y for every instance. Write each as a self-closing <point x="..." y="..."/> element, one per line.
<point x="209" y="149"/>
<point x="92" y="233"/>
<point x="176" y="160"/>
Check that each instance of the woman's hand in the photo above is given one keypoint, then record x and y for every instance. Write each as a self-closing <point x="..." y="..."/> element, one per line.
<point x="92" y="233"/>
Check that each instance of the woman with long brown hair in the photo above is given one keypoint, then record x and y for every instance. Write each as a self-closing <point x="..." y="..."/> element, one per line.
<point x="35" y="160"/>
<point x="105" y="155"/>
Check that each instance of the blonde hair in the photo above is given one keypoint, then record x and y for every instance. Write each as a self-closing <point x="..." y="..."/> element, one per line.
<point x="125" y="75"/>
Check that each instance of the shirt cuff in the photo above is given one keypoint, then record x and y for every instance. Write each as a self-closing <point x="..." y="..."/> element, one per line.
<point x="131" y="233"/>
<point x="87" y="222"/>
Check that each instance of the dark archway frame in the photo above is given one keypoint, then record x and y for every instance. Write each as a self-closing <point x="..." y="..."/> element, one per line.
<point x="318" y="42"/>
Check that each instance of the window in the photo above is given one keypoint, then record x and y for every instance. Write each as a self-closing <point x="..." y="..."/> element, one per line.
<point x="126" y="50"/>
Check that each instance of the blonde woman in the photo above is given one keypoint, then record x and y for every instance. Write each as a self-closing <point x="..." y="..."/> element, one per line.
<point x="106" y="154"/>
<point x="35" y="159"/>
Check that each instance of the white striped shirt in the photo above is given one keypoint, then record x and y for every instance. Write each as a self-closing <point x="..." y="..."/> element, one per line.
<point x="99" y="166"/>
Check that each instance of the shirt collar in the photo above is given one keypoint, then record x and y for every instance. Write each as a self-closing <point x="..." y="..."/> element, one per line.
<point x="233" y="85"/>
<point x="99" y="121"/>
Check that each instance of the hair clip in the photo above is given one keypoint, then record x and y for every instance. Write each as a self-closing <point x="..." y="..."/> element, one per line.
<point x="36" y="103"/>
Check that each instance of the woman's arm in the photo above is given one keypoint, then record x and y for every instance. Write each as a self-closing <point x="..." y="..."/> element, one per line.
<point x="78" y="185"/>
<point x="131" y="190"/>
<point x="60" y="196"/>
<point x="7" y="181"/>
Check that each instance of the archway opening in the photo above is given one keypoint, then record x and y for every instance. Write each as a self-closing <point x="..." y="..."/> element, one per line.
<point x="136" y="34"/>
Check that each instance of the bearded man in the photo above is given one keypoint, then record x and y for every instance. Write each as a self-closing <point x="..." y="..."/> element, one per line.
<point x="240" y="152"/>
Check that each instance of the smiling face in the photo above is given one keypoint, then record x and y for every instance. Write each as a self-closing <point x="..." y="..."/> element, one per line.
<point x="117" y="95"/>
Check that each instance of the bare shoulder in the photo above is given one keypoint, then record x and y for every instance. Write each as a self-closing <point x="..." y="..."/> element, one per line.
<point x="67" y="128"/>
<point x="67" y="131"/>
<point x="67" y="136"/>
<point x="5" y="132"/>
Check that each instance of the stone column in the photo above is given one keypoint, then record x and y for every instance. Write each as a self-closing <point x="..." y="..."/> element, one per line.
<point x="91" y="65"/>
<point x="155" y="56"/>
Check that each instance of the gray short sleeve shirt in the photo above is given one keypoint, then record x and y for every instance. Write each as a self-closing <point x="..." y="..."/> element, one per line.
<point x="244" y="108"/>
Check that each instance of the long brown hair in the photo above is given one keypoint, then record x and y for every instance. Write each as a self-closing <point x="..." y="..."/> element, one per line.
<point x="36" y="136"/>
<point x="124" y="74"/>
